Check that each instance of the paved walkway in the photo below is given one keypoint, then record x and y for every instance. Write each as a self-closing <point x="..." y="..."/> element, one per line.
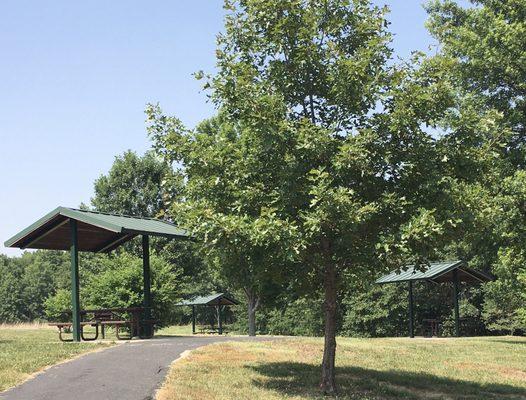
<point x="129" y="371"/>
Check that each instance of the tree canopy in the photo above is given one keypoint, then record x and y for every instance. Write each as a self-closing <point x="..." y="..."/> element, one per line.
<point x="327" y="163"/>
<point x="319" y="158"/>
<point x="132" y="186"/>
<point x="482" y="54"/>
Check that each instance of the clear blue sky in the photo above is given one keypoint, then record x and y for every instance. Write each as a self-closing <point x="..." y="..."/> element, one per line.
<point x="75" y="78"/>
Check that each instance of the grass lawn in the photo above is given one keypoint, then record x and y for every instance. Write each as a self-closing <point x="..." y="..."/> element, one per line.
<point x="465" y="368"/>
<point x="186" y="330"/>
<point x="26" y="349"/>
<point x="175" y="330"/>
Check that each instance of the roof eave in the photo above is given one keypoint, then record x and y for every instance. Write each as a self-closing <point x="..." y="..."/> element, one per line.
<point x="20" y="239"/>
<point x="167" y="235"/>
<point x="43" y="226"/>
<point x="31" y="228"/>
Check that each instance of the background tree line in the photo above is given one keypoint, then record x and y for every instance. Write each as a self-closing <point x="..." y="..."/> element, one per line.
<point x="327" y="164"/>
<point x="35" y="286"/>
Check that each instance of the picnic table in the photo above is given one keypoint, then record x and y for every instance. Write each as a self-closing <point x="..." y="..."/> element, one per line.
<point x="118" y="318"/>
<point x="431" y="327"/>
<point x="210" y="329"/>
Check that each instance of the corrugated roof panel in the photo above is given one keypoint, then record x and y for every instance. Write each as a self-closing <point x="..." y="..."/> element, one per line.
<point x="136" y="224"/>
<point x="410" y="273"/>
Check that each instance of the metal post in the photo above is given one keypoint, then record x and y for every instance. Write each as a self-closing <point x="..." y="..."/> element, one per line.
<point x="455" y="302"/>
<point x="220" y="322"/>
<point x="193" y="320"/>
<point x="75" y="299"/>
<point x="411" y="314"/>
<point x="147" y="299"/>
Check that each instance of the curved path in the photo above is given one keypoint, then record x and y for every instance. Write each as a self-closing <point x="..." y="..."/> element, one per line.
<point x="131" y="371"/>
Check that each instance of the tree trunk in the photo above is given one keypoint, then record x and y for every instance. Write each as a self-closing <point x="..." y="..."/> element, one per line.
<point x="253" y="304"/>
<point x="328" y="381"/>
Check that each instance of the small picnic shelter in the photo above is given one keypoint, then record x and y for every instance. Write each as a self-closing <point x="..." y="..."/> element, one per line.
<point x="216" y="300"/>
<point x="436" y="272"/>
<point x="80" y="230"/>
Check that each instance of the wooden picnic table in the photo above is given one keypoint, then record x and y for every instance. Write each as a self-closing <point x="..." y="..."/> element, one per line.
<point x="211" y="329"/>
<point x="117" y="317"/>
<point x="431" y="327"/>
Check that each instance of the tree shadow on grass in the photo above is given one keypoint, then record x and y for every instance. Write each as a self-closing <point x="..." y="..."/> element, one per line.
<point x="509" y="341"/>
<point x="300" y="379"/>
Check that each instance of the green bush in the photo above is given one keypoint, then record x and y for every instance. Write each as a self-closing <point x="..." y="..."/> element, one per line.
<point x="378" y="310"/>
<point x="118" y="283"/>
<point x="56" y="305"/>
<point x="504" y="307"/>
<point x="302" y="317"/>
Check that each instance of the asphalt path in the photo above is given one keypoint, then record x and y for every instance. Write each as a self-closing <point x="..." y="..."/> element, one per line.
<point x="129" y="371"/>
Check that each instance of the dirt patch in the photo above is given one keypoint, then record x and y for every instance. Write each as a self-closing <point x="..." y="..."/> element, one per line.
<point x="26" y="326"/>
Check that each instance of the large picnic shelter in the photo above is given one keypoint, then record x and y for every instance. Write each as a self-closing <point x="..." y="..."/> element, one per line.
<point x="80" y="230"/>
<point x="454" y="272"/>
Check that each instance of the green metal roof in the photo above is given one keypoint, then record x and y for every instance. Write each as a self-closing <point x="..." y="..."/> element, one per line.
<point x="96" y="231"/>
<point x="210" y="300"/>
<point x="435" y="271"/>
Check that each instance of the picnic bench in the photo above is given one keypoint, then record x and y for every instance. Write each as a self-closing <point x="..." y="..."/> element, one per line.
<point x="431" y="327"/>
<point x="64" y="326"/>
<point x="117" y="318"/>
<point x="210" y="329"/>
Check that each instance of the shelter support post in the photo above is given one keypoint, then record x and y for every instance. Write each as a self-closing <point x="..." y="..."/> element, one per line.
<point x="220" y="321"/>
<point x="147" y="298"/>
<point x="75" y="299"/>
<point x="455" y="302"/>
<point x="193" y="320"/>
<point x="411" y="311"/>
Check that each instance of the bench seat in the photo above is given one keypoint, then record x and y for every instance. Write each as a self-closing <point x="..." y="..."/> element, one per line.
<point x="62" y="325"/>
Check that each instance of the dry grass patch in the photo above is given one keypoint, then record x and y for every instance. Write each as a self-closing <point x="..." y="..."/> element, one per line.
<point x="476" y="368"/>
<point x="25" y="326"/>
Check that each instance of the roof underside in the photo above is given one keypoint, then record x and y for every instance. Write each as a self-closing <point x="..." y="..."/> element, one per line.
<point x="216" y="299"/>
<point x="436" y="272"/>
<point x="97" y="232"/>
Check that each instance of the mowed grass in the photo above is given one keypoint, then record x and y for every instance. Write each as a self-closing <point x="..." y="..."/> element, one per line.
<point x="26" y="349"/>
<point x="175" y="330"/>
<point x="186" y="330"/>
<point x="464" y="368"/>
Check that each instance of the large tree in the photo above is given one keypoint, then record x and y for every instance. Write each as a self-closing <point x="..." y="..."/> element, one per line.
<point x="132" y="186"/>
<point x="483" y="47"/>
<point x="318" y="163"/>
<point x="226" y="204"/>
<point x="483" y="55"/>
<point x="135" y="185"/>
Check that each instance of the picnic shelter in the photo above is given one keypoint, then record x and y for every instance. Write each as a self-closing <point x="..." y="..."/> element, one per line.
<point x="81" y="230"/>
<point x="217" y="300"/>
<point x="454" y="272"/>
